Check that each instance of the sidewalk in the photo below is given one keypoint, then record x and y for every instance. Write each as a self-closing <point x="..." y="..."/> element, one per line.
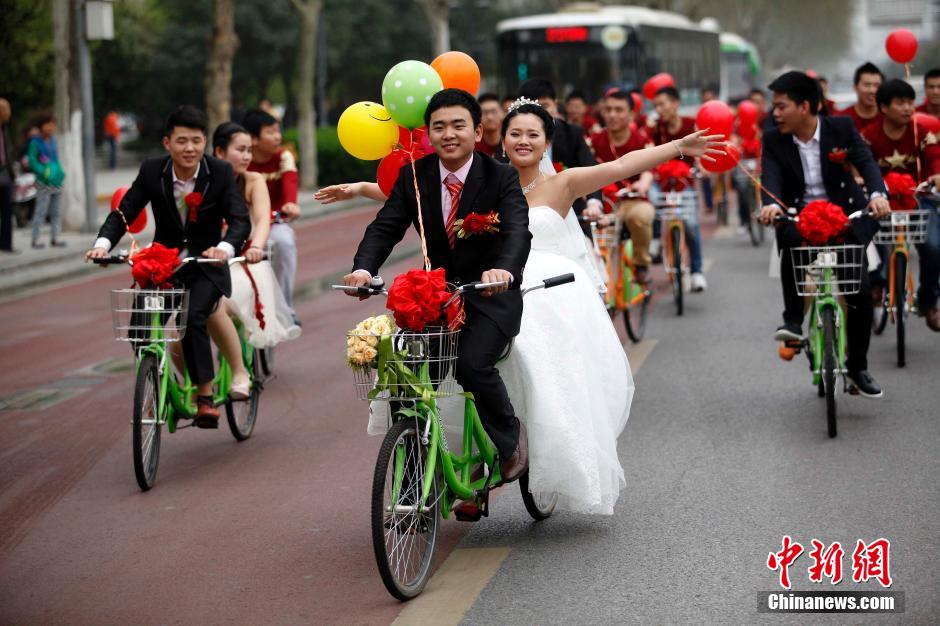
<point x="31" y="269"/>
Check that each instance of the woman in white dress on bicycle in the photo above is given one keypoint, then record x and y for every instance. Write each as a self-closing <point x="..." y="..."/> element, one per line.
<point x="567" y="375"/>
<point x="256" y="299"/>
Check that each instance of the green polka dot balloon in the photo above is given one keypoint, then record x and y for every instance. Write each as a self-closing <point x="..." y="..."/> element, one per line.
<point x="406" y="91"/>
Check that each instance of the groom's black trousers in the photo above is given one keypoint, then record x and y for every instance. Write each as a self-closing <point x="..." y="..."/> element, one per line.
<point x="480" y="346"/>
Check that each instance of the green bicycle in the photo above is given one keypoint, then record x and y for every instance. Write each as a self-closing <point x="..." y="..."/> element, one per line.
<point x="150" y="319"/>
<point x="824" y="273"/>
<point x="418" y="479"/>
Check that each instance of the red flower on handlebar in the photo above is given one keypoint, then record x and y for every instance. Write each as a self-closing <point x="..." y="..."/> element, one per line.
<point x="822" y="222"/>
<point x="901" y="189"/>
<point x="417" y="298"/>
<point x="673" y="175"/>
<point x="154" y="265"/>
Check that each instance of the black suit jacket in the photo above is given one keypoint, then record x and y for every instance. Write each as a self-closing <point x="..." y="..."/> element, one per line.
<point x="782" y="171"/>
<point x="490" y="186"/>
<point x="221" y="200"/>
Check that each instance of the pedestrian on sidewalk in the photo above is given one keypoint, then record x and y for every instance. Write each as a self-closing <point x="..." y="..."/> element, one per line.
<point x="6" y="179"/>
<point x="279" y="169"/>
<point x="112" y="134"/>
<point x="43" y="156"/>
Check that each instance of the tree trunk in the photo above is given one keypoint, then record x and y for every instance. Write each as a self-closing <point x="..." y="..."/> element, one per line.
<point x="222" y="46"/>
<point x="438" y="14"/>
<point x="68" y="115"/>
<point x="306" y="62"/>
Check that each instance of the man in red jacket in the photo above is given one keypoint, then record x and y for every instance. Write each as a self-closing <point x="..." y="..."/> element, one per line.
<point x="279" y="169"/>
<point x="895" y="150"/>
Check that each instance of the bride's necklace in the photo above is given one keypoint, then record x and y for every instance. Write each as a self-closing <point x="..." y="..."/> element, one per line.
<point x="531" y="186"/>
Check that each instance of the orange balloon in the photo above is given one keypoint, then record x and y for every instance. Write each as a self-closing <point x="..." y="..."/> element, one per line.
<point x="458" y="71"/>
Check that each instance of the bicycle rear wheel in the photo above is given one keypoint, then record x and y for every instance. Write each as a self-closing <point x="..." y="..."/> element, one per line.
<point x="880" y="318"/>
<point x="634" y="319"/>
<point x="243" y="414"/>
<point x="900" y="303"/>
<point x="146" y="424"/>
<point x="539" y="505"/>
<point x="267" y="361"/>
<point x="829" y="367"/>
<point x="403" y="537"/>
<point x="676" y="242"/>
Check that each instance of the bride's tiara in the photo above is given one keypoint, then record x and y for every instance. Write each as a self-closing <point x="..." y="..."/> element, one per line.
<point x="518" y="102"/>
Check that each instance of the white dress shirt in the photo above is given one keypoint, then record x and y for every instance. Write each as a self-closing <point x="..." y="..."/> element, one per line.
<point x="812" y="166"/>
<point x="181" y="188"/>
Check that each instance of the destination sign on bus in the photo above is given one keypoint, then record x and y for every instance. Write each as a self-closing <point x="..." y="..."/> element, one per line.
<point x="566" y="34"/>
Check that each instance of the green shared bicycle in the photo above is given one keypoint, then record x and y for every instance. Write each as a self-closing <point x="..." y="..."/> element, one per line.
<point x="824" y="273"/>
<point x="418" y="478"/>
<point x="150" y="320"/>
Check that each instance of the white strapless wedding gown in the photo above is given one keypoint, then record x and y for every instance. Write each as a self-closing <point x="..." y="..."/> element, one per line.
<point x="278" y="322"/>
<point x="568" y="376"/>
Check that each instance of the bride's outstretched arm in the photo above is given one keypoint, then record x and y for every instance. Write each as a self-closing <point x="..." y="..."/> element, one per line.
<point x="335" y="193"/>
<point x="581" y="181"/>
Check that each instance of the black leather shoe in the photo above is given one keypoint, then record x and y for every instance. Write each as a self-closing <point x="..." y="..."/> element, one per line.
<point x="863" y="384"/>
<point x="789" y="332"/>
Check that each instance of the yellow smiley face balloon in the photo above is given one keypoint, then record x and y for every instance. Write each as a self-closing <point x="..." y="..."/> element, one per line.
<point x="367" y="131"/>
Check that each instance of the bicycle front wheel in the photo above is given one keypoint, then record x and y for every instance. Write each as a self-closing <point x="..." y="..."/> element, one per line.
<point x="900" y="303"/>
<point x="146" y="424"/>
<point x="676" y="241"/>
<point x="243" y="414"/>
<point x="829" y="367"/>
<point x="539" y="505"/>
<point x="634" y="319"/>
<point x="880" y="318"/>
<point x="404" y="530"/>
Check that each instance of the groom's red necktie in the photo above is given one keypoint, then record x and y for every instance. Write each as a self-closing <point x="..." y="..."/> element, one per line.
<point x="454" y="186"/>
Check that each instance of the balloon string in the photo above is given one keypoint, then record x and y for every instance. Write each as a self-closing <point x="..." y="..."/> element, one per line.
<point x="757" y="183"/>
<point x="424" y="245"/>
<point x="907" y="73"/>
<point x="134" y="245"/>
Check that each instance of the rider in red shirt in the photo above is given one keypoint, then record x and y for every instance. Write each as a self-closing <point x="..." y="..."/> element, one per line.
<point x="868" y="78"/>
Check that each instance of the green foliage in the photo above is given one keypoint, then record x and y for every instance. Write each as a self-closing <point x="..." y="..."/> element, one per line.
<point x="335" y="164"/>
<point x="27" y="58"/>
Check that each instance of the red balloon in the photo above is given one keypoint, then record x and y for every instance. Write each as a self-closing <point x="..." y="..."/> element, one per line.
<point x="657" y="82"/>
<point x="747" y="131"/>
<point x="747" y="113"/>
<point x="389" y="167"/>
<point x="927" y="122"/>
<point x="717" y="117"/>
<point x="901" y="45"/>
<point x="723" y="162"/>
<point x="137" y="225"/>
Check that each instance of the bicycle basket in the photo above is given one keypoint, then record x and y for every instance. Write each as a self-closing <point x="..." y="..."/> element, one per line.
<point x="435" y="346"/>
<point x="675" y="205"/>
<point x="911" y="224"/>
<point x="810" y="264"/>
<point x="138" y="314"/>
<point x="606" y="237"/>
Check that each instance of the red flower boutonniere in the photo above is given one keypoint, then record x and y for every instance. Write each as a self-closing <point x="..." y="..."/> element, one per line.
<point x="558" y="166"/>
<point x="477" y="224"/>
<point x="839" y="156"/>
<point x="193" y="200"/>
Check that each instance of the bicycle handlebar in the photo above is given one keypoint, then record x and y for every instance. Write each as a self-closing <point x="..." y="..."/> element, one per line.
<point x="779" y="219"/>
<point x="118" y="259"/>
<point x="379" y="288"/>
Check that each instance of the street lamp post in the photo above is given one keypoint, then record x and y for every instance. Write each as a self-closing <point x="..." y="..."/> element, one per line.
<point x="94" y="20"/>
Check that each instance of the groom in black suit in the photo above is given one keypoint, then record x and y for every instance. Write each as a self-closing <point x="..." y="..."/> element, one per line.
<point x="805" y="158"/>
<point x="164" y="183"/>
<point x="458" y="179"/>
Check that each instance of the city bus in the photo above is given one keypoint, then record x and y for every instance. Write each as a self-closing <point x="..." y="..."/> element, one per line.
<point x="592" y="48"/>
<point x="740" y="67"/>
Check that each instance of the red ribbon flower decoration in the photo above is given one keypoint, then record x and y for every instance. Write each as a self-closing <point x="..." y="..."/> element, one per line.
<point x="839" y="156"/>
<point x="901" y="191"/>
<point x="673" y="175"/>
<point x="476" y="224"/>
<point x="417" y="297"/>
<point x="193" y="200"/>
<point x="152" y="266"/>
<point x="559" y="166"/>
<point x="822" y="222"/>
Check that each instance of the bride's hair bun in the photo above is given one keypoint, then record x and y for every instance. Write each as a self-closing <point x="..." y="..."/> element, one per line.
<point x="524" y="105"/>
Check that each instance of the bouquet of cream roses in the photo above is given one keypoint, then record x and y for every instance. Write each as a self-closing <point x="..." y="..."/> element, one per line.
<point x="362" y="342"/>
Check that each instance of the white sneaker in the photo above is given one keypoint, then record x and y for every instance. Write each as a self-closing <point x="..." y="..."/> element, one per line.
<point x="698" y="282"/>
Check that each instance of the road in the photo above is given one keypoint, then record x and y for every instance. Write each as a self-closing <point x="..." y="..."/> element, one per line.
<point x="725" y="453"/>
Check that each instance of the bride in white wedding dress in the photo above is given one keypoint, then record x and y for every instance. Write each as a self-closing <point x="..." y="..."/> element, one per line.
<point x="567" y="375"/>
